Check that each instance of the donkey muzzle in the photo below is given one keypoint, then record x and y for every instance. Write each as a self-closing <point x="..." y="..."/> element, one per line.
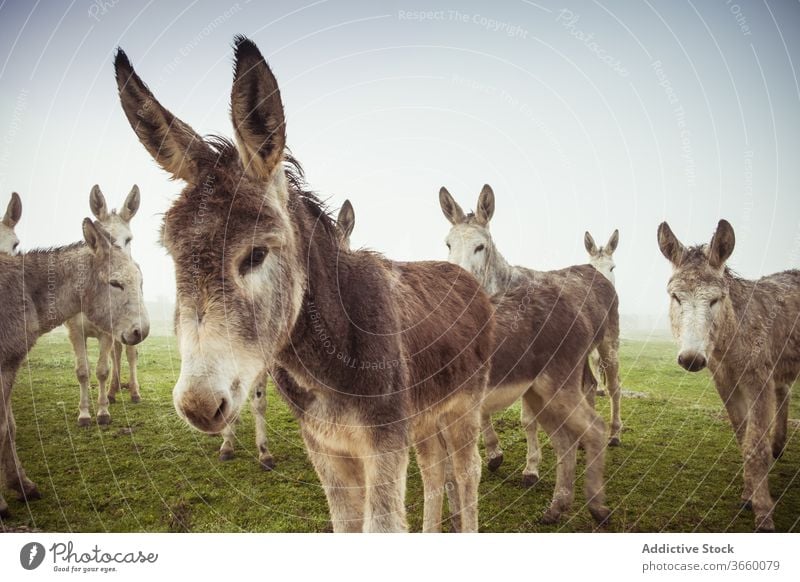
<point x="692" y="361"/>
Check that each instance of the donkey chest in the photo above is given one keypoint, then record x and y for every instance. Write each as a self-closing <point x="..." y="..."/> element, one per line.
<point x="336" y="428"/>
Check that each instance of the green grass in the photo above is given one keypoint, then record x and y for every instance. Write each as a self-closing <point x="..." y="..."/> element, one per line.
<point x="679" y="468"/>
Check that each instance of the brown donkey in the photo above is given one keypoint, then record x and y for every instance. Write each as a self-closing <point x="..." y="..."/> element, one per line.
<point x="748" y="334"/>
<point x="263" y="281"/>
<point x="41" y="289"/>
<point x="546" y="324"/>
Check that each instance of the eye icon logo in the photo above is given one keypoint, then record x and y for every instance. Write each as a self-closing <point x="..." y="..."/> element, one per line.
<point x="31" y="555"/>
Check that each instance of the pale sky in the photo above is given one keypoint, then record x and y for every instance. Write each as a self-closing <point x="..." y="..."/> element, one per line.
<point x="581" y="115"/>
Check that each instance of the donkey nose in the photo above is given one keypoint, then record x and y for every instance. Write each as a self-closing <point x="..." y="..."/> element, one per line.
<point x="134" y="336"/>
<point x="691" y="361"/>
<point x="205" y="411"/>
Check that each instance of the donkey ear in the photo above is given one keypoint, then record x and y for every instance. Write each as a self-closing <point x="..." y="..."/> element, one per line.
<point x="13" y="211"/>
<point x="95" y="236"/>
<point x="485" y="210"/>
<point x="97" y="203"/>
<point x="452" y="211"/>
<point x="346" y="220"/>
<point x="589" y="244"/>
<point x="722" y="243"/>
<point x="257" y="112"/>
<point x="612" y="243"/>
<point x="669" y="244"/>
<point x="131" y="205"/>
<point x="172" y="143"/>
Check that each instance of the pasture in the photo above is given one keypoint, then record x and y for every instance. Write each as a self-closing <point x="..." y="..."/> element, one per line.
<point x="678" y="470"/>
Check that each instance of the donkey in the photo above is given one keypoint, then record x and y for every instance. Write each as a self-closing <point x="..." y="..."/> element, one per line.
<point x="748" y="335"/>
<point x="8" y="238"/>
<point x="602" y="259"/>
<point x="80" y="328"/>
<point x="41" y="289"/>
<point x="546" y="325"/>
<point x="263" y="282"/>
<point x="344" y="225"/>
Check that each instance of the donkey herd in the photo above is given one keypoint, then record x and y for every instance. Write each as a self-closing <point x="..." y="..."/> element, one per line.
<point x="375" y="356"/>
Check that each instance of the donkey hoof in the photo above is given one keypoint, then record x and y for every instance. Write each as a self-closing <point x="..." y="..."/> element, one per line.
<point x="529" y="479"/>
<point x="602" y="515"/>
<point x="777" y="452"/>
<point x="226" y="455"/>
<point x="746" y="504"/>
<point x="268" y="464"/>
<point x="4" y="512"/>
<point x="103" y="419"/>
<point x="551" y="517"/>
<point x="601" y="392"/>
<point x="112" y="399"/>
<point x="135" y="398"/>
<point x="495" y="462"/>
<point x="30" y="494"/>
<point x="614" y="442"/>
<point x="84" y="421"/>
<point x="765" y="529"/>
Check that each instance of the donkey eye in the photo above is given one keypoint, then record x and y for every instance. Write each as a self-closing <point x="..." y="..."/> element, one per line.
<point x="479" y="248"/>
<point x="16" y="244"/>
<point x="128" y="240"/>
<point x="253" y="260"/>
<point x="117" y="285"/>
<point x="448" y="245"/>
<point x="675" y="299"/>
<point x="614" y="267"/>
<point x="714" y="302"/>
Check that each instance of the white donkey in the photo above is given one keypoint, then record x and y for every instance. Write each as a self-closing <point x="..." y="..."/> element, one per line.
<point x="8" y="238"/>
<point x="602" y="259"/>
<point x="79" y="328"/>
<point x="344" y="224"/>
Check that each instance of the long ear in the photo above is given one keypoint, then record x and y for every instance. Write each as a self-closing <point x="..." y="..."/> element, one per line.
<point x="13" y="211"/>
<point x="589" y="244"/>
<point x="346" y="220"/>
<point x="96" y="237"/>
<point x="131" y="205"/>
<point x="722" y="244"/>
<point x="452" y="211"/>
<point x="485" y="210"/>
<point x="172" y="143"/>
<point x="257" y="112"/>
<point x="669" y="244"/>
<point x="97" y="203"/>
<point x="612" y="243"/>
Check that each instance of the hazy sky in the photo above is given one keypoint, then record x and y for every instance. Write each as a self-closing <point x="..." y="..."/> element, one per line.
<point x="581" y="115"/>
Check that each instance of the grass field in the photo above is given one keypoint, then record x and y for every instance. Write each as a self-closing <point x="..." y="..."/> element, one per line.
<point x="679" y="468"/>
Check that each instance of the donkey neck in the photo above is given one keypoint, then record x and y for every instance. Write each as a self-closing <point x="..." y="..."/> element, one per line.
<point x="55" y="282"/>
<point x="499" y="274"/>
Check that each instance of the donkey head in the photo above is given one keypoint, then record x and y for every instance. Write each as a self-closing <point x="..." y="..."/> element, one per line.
<point x="240" y="279"/>
<point x="117" y="224"/>
<point x="698" y="291"/>
<point x="345" y="223"/>
<point x="602" y="258"/>
<point x="469" y="241"/>
<point x="8" y="238"/>
<point x="112" y="293"/>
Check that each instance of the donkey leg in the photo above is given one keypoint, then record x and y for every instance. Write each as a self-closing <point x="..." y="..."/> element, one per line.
<point x="78" y="342"/>
<point x="782" y="394"/>
<point x="259" y="403"/>
<point x="228" y="437"/>
<point x="736" y="407"/>
<point x="385" y="473"/>
<point x="757" y="455"/>
<point x="116" y="372"/>
<point x="432" y="461"/>
<point x="461" y="429"/>
<point x="491" y="441"/>
<point x="11" y="468"/>
<point x="132" y="355"/>
<point x="530" y="475"/>
<point x="609" y="362"/>
<point x="106" y="345"/>
<point x="342" y="480"/>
